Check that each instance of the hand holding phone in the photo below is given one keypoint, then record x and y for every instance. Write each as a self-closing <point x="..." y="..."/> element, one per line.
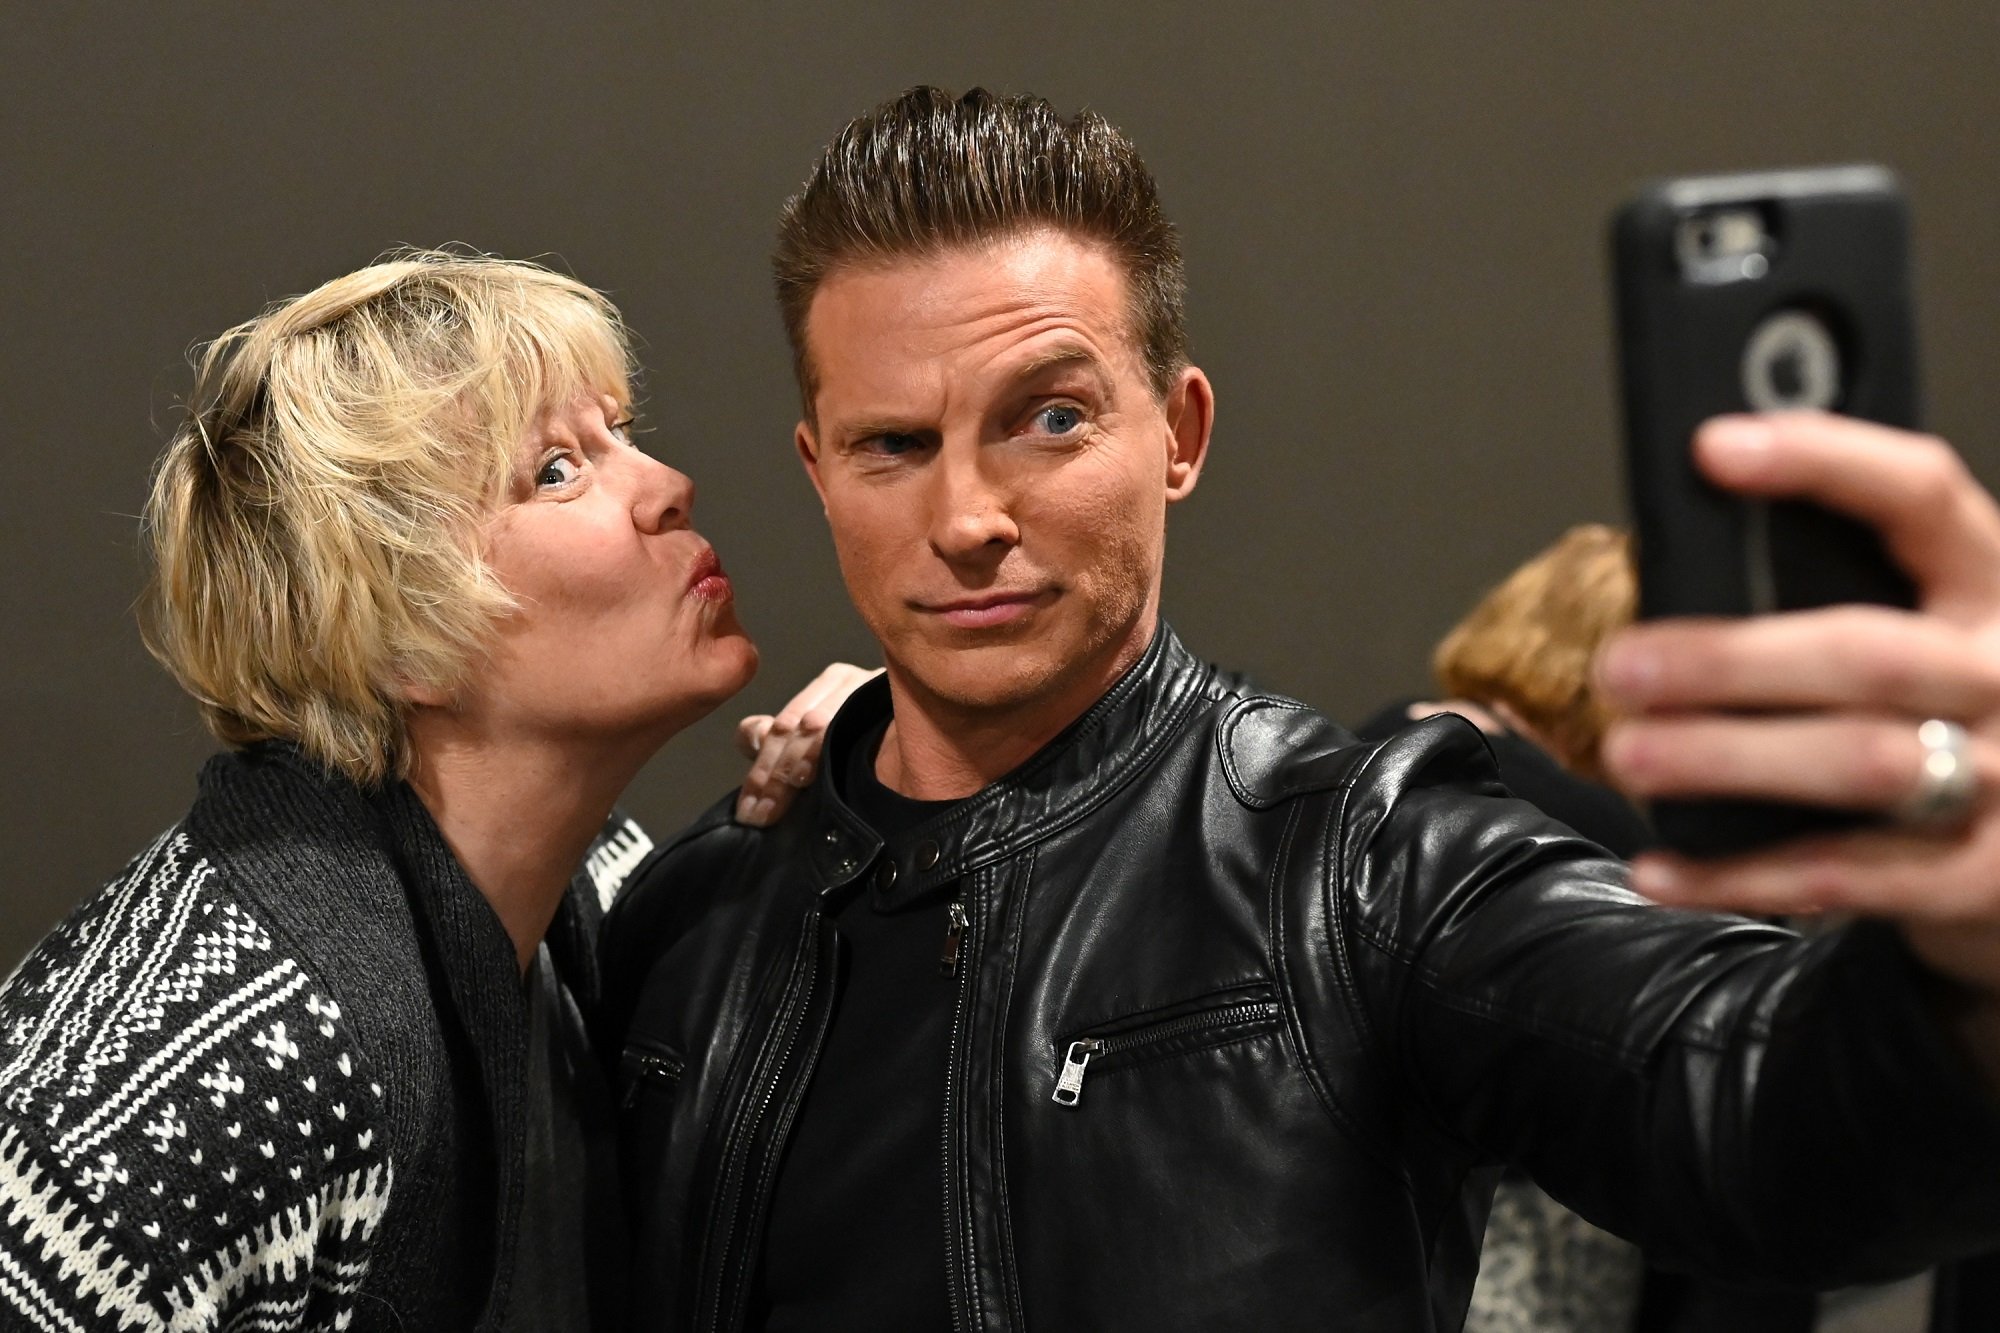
<point x="1743" y="293"/>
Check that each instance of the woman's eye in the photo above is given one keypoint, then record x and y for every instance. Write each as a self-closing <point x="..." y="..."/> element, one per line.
<point x="621" y="430"/>
<point x="1059" y="419"/>
<point x="557" y="470"/>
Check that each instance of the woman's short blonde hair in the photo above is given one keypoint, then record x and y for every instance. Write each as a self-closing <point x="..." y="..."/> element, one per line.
<point x="1530" y="642"/>
<point x="315" y="523"/>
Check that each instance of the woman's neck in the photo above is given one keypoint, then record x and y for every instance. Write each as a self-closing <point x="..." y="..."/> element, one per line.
<point x="518" y="815"/>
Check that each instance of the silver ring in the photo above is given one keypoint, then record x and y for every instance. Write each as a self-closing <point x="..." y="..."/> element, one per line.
<point x="1947" y="782"/>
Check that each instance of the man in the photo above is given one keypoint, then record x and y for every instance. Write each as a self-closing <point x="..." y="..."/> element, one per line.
<point x="1089" y="988"/>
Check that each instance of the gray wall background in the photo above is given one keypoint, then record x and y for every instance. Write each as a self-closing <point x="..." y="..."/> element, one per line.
<point x="1393" y="221"/>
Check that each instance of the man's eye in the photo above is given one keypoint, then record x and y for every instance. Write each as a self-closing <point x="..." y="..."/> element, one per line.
<point x="892" y="445"/>
<point x="557" y="470"/>
<point x="621" y="430"/>
<point x="1059" y="419"/>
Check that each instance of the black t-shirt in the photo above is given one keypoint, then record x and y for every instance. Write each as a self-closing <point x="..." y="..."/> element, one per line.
<point x="856" y="1237"/>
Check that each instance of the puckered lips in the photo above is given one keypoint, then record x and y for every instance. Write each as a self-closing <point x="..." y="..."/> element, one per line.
<point x="706" y="581"/>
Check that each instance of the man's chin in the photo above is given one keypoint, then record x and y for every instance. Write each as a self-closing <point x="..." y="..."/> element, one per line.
<point x="994" y="681"/>
<point x="991" y="681"/>
<point x="1038" y="669"/>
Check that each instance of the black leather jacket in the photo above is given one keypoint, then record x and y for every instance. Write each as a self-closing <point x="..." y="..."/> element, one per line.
<point x="1248" y="1014"/>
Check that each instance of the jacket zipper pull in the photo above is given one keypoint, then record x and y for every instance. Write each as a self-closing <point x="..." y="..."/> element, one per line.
<point x="954" y="935"/>
<point x="647" y="1069"/>
<point x="1069" y="1085"/>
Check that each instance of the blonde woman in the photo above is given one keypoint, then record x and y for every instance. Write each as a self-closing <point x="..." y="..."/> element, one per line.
<point x="316" y="1059"/>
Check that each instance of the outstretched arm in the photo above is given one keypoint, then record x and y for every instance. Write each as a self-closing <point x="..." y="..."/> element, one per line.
<point x="1825" y="707"/>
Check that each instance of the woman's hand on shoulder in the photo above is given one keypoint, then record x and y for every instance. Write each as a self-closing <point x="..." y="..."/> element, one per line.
<point x="784" y="747"/>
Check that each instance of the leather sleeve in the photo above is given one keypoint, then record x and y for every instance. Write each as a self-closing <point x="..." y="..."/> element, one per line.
<point x="659" y="898"/>
<point x="1735" y="1098"/>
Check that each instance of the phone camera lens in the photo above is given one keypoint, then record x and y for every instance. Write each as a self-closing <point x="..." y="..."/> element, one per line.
<point x="1727" y="244"/>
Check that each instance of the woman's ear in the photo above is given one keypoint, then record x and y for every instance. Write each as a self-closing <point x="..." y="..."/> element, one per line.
<point x="414" y="692"/>
<point x="425" y="696"/>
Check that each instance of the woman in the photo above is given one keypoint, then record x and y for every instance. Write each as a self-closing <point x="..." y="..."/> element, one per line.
<point x="316" y="1060"/>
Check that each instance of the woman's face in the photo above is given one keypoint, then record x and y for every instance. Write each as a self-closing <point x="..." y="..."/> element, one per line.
<point x="626" y="628"/>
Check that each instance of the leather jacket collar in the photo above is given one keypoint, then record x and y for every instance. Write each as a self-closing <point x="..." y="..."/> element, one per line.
<point x="1117" y="738"/>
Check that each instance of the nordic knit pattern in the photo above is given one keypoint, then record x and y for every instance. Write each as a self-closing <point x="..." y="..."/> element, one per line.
<point x="187" y="1132"/>
<point x="271" y="1077"/>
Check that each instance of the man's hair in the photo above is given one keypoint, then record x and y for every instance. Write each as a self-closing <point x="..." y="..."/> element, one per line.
<point x="315" y="524"/>
<point x="1530" y="642"/>
<point x="929" y="172"/>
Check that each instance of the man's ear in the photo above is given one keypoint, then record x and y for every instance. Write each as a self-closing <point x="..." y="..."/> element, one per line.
<point x="808" y="447"/>
<point x="1190" y="418"/>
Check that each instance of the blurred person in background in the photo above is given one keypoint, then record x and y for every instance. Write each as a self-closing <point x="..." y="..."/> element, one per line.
<point x="1518" y="667"/>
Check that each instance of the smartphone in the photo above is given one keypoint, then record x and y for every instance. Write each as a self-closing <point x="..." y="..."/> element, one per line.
<point x="1760" y="291"/>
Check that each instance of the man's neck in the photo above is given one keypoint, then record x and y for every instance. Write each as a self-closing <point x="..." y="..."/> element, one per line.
<point x="518" y="816"/>
<point x="938" y="750"/>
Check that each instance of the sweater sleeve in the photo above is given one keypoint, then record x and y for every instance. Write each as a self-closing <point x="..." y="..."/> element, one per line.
<point x="188" y="1134"/>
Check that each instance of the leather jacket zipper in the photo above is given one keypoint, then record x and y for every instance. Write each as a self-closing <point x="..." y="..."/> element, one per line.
<point x="954" y="937"/>
<point x="726" y="1286"/>
<point x="643" y="1069"/>
<point x="1208" y="1027"/>
<point x="961" y="941"/>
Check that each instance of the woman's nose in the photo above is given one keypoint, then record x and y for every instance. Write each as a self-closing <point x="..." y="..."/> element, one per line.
<point x="663" y="499"/>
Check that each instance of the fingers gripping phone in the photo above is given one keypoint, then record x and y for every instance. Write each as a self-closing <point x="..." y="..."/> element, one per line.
<point x="1756" y="292"/>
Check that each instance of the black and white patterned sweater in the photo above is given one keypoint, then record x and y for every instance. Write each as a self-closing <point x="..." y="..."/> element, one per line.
<point x="246" y="1085"/>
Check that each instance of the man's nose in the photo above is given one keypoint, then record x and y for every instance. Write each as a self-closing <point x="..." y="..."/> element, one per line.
<point x="662" y="498"/>
<point x="971" y="512"/>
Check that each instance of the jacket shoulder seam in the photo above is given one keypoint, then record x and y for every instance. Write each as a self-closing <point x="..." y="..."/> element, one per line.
<point x="1317" y="777"/>
<point x="1317" y="1076"/>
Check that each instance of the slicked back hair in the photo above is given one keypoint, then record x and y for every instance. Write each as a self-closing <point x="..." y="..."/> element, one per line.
<point x="928" y="173"/>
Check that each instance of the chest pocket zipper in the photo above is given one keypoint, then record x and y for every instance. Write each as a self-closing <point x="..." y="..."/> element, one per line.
<point x="645" y="1070"/>
<point x="1237" y="1021"/>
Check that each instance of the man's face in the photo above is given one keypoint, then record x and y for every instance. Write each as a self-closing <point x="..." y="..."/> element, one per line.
<point x="996" y="468"/>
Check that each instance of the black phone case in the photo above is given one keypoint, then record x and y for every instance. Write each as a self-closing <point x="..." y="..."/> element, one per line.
<point x="1840" y="250"/>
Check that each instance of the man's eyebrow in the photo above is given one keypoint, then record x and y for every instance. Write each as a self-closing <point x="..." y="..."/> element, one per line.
<point x="1064" y="358"/>
<point x="870" y="427"/>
